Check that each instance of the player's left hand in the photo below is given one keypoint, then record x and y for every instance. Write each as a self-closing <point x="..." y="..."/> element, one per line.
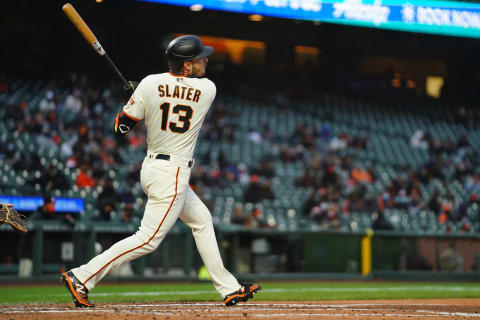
<point x="132" y="85"/>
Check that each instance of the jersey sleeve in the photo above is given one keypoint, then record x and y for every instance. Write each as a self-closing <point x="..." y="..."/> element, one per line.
<point x="213" y="92"/>
<point x="135" y="107"/>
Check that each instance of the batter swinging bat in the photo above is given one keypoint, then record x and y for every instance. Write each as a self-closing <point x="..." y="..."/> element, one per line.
<point x="81" y="26"/>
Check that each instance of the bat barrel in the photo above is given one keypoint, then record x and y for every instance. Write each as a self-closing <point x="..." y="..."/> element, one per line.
<point x="82" y="27"/>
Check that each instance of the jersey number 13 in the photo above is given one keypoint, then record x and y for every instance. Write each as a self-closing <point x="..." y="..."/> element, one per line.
<point x="184" y="116"/>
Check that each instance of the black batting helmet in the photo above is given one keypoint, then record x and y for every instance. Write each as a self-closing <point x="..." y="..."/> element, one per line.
<point x="183" y="49"/>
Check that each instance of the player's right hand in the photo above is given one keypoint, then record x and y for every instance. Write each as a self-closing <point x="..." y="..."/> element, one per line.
<point x="132" y="85"/>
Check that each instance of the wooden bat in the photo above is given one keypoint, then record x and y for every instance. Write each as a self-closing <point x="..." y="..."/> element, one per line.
<point x="83" y="28"/>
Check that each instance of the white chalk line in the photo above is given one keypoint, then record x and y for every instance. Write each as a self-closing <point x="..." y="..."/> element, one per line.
<point x="336" y="315"/>
<point x="280" y="290"/>
<point x="462" y="314"/>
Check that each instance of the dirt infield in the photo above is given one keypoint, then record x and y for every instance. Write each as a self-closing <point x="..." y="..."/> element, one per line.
<point x="358" y="310"/>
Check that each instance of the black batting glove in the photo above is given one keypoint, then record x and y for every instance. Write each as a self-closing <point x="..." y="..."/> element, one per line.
<point x="132" y="85"/>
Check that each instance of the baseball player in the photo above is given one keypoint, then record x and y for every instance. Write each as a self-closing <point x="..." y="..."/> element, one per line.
<point x="174" y="106"/>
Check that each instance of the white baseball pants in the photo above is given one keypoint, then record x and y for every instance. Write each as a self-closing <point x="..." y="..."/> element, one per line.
<point x="169" y="198"/>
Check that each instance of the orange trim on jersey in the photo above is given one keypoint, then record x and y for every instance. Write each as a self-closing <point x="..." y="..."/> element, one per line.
<point x="116" y="122"/>
<point x="178" y="75"/>
<point x="130" y="117"/>
<point x="154" y="234"/>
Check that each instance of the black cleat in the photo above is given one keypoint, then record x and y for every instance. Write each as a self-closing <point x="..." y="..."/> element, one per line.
<point x="246" y="291"/>
<point x="78" y="291"/>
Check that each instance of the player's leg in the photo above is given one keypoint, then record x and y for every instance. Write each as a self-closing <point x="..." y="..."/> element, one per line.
<point x="166" y="187"/>
<point x="197" y="216"/>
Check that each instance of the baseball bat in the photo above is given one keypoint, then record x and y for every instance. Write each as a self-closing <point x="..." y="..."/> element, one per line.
<point x="83" y="28"/>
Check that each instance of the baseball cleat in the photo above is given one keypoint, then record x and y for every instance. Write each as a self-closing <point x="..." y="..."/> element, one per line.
<point x="78" y="291"/>
<point x="246" y="291"/>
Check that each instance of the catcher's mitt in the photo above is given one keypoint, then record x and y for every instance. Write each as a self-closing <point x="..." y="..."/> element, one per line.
<point x="13" y="218"/>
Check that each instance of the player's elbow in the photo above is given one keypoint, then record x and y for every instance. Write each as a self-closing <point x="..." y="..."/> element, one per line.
<point x="123" y="124"/>
<point x="121" y="130"/>
<point x="119" y="133"/>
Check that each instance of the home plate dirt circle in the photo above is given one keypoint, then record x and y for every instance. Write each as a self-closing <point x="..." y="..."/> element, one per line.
<point x="372" y="310"/>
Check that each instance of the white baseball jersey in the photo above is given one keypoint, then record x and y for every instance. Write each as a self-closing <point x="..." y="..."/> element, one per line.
<point x="174" y="109"/>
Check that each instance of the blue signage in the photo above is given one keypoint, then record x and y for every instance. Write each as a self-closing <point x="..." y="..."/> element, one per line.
<point x="437" y="17"/>
<point x="74" y="205"/>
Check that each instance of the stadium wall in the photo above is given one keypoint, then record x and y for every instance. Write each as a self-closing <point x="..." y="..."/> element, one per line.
<point x="266" y="254"/>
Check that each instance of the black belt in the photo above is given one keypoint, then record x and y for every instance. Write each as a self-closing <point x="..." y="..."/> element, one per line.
<point x="167" y="157"/>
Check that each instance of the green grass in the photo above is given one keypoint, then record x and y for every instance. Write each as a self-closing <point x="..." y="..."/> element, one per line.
<point x="273" y="291"/>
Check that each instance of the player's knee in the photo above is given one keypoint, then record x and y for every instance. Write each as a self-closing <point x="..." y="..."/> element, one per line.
<point x="152" y="245"/>
<point x="205" y="227"/>
<point x="149" y="243"/>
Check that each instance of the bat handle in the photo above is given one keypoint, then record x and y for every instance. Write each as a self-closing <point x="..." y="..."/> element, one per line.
<point x="117" y="72"/>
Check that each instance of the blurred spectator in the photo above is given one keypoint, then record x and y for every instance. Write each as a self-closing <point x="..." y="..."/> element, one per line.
<point x="360" y="142"/>
<point x="357" y="201"/>
<point x="447" y="205"/>
<point x="434" y="204"/>
<point x="401" y="199"/>
<point x="136" y="138"/>
<point x="266" y="168"/>
<point x="73" y="102"/>
<point x="16" y="112"/>
<point x="220" y="126"/>
<point x="381" y="223"/>
<point x="326" y="214"/>
<point x="291" y="153"/>
<point x="308" y="179"/>
<point x="30" y="162"/>
<point x="384" y="201"/>
<point x="107" y="201"/>
<point x="47" y="212"/>
<point x="239" y="216"/>
<point x="257" y="220"/>
<point x="257" y="191"/>
<point x="418" y="140"/>
<point x="339" y="143"/>
<point x="48" y="102"/>
<point x="243" y="177"/>
<point x="128" y="214"/>
<point x="255" y="136"/>
<point x="267" y="133"/>
<point x="472" y="202"/>
<point x="124" y="194"/>
<point x="84" y="179"/>
<point x="52" y="179"/>
<point x="472" y="183"/>
<point x="360" y="175"/>
<point x="326" y="132"/>
<point x="415" y="201"/>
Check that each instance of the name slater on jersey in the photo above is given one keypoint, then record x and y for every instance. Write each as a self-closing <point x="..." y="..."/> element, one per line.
<point x="179" y="92"/>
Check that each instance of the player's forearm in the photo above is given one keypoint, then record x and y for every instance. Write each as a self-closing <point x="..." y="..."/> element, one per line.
<point x="124" y="124"/>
